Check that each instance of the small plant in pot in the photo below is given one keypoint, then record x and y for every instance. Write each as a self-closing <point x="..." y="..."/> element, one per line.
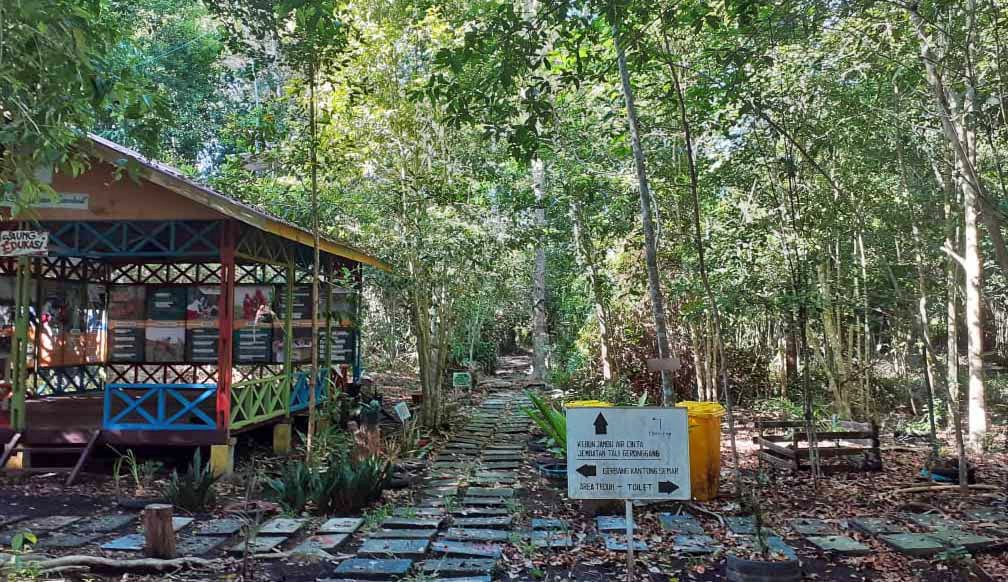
<point x="769" y="558"/>
<point x="553" y="423"/>
<point x="134" y="481"/>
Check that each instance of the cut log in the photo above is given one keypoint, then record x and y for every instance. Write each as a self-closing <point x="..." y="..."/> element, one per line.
<point x="159" y="535"/>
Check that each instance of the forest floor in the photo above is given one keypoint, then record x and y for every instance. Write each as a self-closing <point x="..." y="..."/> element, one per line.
<point x="785" y="496"/>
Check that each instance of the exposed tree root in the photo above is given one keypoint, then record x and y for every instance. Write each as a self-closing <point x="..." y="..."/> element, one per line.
<point x="99" y="564"/>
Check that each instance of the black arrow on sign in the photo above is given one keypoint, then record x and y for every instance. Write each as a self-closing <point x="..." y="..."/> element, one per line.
<point x="601" y="424"/>
<point x="667" y="487"/>
<point x="587" y="470"/>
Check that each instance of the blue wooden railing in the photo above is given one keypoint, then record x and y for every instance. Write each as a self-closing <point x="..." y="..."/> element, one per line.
<point x="159" y="407"/>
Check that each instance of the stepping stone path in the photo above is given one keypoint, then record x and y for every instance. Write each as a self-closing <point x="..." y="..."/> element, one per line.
<point x="840" y="545"/>
<point x="466" y="545"/>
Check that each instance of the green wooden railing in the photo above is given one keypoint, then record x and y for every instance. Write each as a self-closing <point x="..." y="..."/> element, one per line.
<point x="253" y="401"/>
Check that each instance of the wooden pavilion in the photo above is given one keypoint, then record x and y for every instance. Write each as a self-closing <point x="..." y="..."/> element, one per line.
<point x="164" y="313"/>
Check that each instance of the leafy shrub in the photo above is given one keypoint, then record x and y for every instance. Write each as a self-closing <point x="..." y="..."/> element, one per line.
<point x="552" y="421"/>
<point x="193" y="490"/>
<point x="345" y="485"/>
<point x="341" y="485"/>
<point x="293" y="487"/>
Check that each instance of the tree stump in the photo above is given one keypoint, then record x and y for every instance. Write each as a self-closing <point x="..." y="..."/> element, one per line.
<point x="159" y="535"/>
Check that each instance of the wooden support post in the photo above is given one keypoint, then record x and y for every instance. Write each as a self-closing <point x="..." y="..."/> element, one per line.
<point x="289" y="333"/>
<point x="225" y="308"/>
<point x="327" y="361"/>
<point x="358" y="306"/>
<point x="19" y="347"/>
<point x="159" y="535"/>
<point x="630" y="541"/>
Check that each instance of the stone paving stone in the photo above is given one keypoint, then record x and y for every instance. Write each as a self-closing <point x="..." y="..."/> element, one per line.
<point x="375" y="548"/>
<point x="501" y="465"/>
<point x="443" y="482"/>
<point x="616" y="543"/>
<point x="480" y="511"/>
<point x="65" y="541"/>
<point x="874" y="526"/>
<point x="259" y="545"/>
<point x="934" y="520"/>
<point x="373" y="568"/>
<point x="403" y="534"/>
<point x="695" y="544"/>
<point x="491" y="522"/>
<point x="324" y="541"/>
<point x="458" y="566"/>
<point x="467" y="549"/>
<point x="127" y="543"/>
<point x="775" y="544"/>
<point x="550" y="539"/>
<point x="549" y="523"/>
<point x="8" y="519"/>
<point x="411" y="523"/>
<point x="180" y="523"/>
<point x="680" y="524"/>
<point x="957" y="538"/>
<point x="492" y="458"/>
<point x="50" y="523"/>
<point x="219" y="527"/>
<point x="461" y="534"/>
<point x="611" y="523"/>
<point x="501" y="492"/>
<point x="805" y="526"/>
<point x="741" y="525"/>
<point x="441" y="491"/>
<point x="492" y="481"/>
<point x="419" y="512"/>
<point x="913" y="544"/>
<point x="199" y="545"/>
<point x="491" y="501"/>
<point x="465" y="579"/>
<point x="842" y="545"/>
<point x="502" y="476"/>
<point x="105" y="523"/>
<point x="345" y="525"/>
<point x="985" y="514"/>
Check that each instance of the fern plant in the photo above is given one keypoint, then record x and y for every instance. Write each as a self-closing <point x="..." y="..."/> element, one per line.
<point x="193" y="490"/>
<point x="551" y="420"/>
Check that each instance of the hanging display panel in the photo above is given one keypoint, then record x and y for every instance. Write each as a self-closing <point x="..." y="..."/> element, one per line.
<point x="253" y="305"/>
<point x="166" y="303"/>
<point x="165" y="343"/>
<point x="127" y="306"/>
<point x="253" y="344"/>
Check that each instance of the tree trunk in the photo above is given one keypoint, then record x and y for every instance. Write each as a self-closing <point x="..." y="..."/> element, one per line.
<point x="313" y="380"/>
<point x="833" y="345"/>
<point x="974" y="326"/>
<point x="539" y="337"/>
<point x="961" y="136"/>
<point x="647" y="222"/>
<point x="586" y="256"/>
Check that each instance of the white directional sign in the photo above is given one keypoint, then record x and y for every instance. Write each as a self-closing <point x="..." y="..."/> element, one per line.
<point x="630" y="452"/>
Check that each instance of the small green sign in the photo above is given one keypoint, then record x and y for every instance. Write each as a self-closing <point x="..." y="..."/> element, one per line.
<point x="461" y="380"/>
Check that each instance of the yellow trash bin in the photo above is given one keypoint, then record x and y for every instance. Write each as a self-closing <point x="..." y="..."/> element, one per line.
<point x="704" y="447"/>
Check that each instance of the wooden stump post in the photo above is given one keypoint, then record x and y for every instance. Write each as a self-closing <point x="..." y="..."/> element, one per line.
<point x="159" y="535"/>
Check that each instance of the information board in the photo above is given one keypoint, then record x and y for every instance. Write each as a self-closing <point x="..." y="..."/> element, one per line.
<point x="629" y="452"/>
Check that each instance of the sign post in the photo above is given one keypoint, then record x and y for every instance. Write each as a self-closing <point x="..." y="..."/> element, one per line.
<point x="630" y="452"/>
